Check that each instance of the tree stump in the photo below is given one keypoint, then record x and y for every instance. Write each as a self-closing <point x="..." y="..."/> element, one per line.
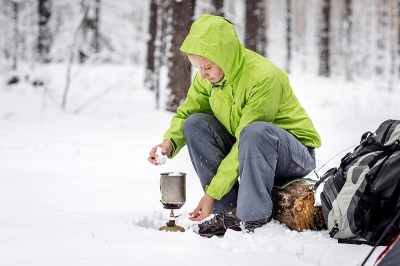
<point x="294" y="207"/>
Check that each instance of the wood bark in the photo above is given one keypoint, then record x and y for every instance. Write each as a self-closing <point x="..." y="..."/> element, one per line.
<point x="295" y="207"/>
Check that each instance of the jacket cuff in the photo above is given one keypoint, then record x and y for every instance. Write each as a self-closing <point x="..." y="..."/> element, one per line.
<point x="210" y="191"/>
<point x="173" y="148"/>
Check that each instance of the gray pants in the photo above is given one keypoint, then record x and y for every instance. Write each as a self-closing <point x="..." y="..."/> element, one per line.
<point x="266" y="153"/>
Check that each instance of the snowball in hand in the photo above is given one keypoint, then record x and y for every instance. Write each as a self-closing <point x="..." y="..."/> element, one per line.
<point x="160" y="159"/>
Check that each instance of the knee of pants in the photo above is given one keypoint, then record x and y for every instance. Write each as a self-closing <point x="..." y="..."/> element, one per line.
<point x="257" y="131"/>
<point x="193" y="120"/>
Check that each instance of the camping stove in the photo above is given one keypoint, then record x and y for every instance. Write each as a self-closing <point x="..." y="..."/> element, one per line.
<point x="173" y="197"/>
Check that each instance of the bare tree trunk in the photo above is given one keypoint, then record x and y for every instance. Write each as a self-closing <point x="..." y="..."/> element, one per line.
<point x="96" y="27"/>
<point x="165" y="13"/>
<point x="15" y="6"/>
<point x="393" y="45"/>
<point x="218" y="7"/>
<point x="156" y="46"/>
<point x="349" y="51"/>
<point x="90" y="30"/>
<point x="150" y="78"/>
<point x="289" y="18"/>
<point x="324" y="46"/>
<point x="164" y="31"/>
<point x="381" y="66"/>
<point x="44" y="37"/>
<point x="398" y="35"/>
<point x="256" y="37"/>
<point x="71" y="58"/>
<point x="299" y="23"/>
<point x="179" y="69"/>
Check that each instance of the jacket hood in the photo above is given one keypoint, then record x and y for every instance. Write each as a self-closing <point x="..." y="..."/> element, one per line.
<point x="215" y="38"/>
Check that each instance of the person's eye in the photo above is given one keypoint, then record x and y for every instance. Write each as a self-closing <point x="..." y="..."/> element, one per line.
<point x="207" y="68"/>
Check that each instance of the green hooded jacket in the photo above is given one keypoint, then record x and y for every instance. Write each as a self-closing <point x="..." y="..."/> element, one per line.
<point x="253" y="89"/>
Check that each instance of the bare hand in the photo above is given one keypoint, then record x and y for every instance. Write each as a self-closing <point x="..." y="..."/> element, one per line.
<point x="166" y="149"/>
<point x="203" y="210"/>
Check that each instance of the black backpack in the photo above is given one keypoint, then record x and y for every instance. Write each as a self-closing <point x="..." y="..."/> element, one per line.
<point x="360" y="198"/>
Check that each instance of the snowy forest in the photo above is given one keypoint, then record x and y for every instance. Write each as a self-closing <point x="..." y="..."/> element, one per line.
<point x="343" y="39"/>
<point x="89" y="86"/>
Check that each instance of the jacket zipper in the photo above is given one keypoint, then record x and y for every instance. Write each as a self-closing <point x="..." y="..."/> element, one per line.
<point x="214" y="85"/>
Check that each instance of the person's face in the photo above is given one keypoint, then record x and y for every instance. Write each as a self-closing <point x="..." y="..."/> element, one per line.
<point x="208" y="70"/>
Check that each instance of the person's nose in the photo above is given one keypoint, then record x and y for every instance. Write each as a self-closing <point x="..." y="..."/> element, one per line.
<point x="203" y="75"/>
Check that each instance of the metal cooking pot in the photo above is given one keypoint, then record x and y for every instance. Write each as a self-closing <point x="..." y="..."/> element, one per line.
<point x="173" y="189"/>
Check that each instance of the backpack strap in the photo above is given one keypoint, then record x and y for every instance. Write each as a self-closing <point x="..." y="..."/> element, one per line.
<point x="355" y="241"/>
<point x="385" y="230"/>
<point x="382" y="236"/>
<point x="374" y="200"/>
<point x="329" y="173"/>
<point x="388" y="127"/>
<point x="366" y="138"/>
<point x="387" y="152"/>
<point x="389" y="224"/>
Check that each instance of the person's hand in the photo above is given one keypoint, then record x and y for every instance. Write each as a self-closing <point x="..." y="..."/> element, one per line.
<point x="166" y="149"/>
<point x="203" y="210"/>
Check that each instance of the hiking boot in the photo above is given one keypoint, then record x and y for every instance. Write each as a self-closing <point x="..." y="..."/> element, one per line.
<point x="250" y="226"/>
<point x="218" y="225"/>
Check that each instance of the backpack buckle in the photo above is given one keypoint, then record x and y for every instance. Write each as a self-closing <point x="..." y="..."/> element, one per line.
<point x="334" y="230"/>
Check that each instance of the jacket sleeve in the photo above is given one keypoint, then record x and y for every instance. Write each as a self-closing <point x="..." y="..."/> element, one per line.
<point x="196" y="101"/>
<point x="261" y="104"/>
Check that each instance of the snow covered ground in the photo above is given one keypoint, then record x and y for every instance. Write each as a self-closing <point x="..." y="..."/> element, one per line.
<point x="76" y="187"/>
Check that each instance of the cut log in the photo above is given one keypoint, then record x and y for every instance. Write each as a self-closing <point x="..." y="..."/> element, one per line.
<point x="294" y="207"/>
